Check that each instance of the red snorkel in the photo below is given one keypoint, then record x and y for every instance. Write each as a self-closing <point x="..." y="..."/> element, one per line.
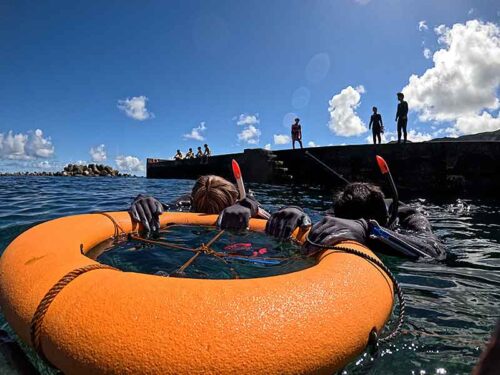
<point x="241" y="188"/>
<point x="384" y="169"/>
<point x="239" y="179"/>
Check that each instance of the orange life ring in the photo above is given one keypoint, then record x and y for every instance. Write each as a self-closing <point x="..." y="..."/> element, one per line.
<point x="311" y="321"/>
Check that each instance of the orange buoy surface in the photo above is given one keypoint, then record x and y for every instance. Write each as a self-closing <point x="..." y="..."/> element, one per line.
<point x="106" y="321"/>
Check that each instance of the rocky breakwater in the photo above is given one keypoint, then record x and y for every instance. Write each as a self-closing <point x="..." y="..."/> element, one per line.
<point x="91" y="170"/>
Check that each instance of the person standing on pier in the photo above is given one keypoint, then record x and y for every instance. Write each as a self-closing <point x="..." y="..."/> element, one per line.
<point x="296" y="133"/>
<point x="378" y="126"/>
<point x="402" y="116"/>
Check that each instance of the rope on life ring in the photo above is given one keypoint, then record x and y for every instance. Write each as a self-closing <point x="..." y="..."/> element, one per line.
<point x="43" y="306"/>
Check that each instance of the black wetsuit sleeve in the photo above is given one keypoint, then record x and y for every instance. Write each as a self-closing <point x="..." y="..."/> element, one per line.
<point x="416" y="231"/>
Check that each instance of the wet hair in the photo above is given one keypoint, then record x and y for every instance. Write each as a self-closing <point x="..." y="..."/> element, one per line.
<point x="297" y="119"/>
<point x="400" y="94"/>
<point x="205" y="145"/>
<point x="211" y="194"/>
<point x="374" y="109"/>
<point x="361" y="200"/>
<point x="199" y="147"/>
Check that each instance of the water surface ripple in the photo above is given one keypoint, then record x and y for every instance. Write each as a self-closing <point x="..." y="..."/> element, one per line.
<point x="452" y="306"/>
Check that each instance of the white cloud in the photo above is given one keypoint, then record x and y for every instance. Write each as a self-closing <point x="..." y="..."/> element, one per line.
<point x="362" y="2"/>
<point x="360" y="89"/>
<point x="250" y="135"/>
<point x="440" y="30"/>
<point x="422" y="25"/>
<point x="196" y="132"/>
<point x="44" y="164"/>
<point x="247" y="119"/>
<point x="344" y="120"/>
<point x="477" y="123"/>
<point x="38" y="146"/>
<point x="267" y="146"/>
<point x="427" y="53"/>
<point x="312" y="144"/>
<point x="129" y="164"/>
<point x="31" y="145"/>
<point x="135" y="108"/>
<point x="281" y="139"/>
<point x="415" y="136"/>
<point x="462" y="85"/>
<point x="98" y="153"/>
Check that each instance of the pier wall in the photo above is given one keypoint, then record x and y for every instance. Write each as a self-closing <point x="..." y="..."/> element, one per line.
<point x="458" y="168"/>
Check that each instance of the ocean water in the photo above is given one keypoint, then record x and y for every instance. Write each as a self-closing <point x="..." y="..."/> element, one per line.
<point x="452" y="306"/>
<point x="236" y="255"/>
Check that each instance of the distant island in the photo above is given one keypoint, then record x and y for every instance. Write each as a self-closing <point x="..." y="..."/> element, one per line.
<point x="485" y="136"/>
<point x="90" y="170"/>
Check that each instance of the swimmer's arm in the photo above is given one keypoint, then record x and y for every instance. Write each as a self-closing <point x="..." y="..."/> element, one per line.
<point x="410" y="244"/>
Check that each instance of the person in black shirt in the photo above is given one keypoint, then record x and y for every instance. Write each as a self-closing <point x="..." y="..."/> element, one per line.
<point x="402" y="116"/>
<point x="376" y="122"/>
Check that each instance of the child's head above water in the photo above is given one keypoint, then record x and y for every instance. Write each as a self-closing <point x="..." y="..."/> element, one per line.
<point x="211" y="194"/>
<point x="360" y="200"/>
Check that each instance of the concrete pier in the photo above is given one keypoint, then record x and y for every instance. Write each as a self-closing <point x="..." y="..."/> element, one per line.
<point x="466" y="169"/>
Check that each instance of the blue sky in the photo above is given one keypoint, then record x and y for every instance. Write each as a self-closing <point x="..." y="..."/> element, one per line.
<point x="137" y="77"/>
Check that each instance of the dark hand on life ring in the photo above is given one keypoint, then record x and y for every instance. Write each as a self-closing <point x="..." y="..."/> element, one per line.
<point x="237" y="216"/>
<point x="332" y="230"/>
<point x="146" y="210"/>
<point x="283" y="222"/>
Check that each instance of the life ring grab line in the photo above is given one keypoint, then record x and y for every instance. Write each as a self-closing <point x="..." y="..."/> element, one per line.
<point x="43" y="306"/>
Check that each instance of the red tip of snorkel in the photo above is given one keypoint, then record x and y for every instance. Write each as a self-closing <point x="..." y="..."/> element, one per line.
<point x="236" y="170"/>
<point x="382" y="165"/>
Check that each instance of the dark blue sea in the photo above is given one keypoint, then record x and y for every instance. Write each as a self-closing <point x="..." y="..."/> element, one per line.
<point x="452" y="306"/>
